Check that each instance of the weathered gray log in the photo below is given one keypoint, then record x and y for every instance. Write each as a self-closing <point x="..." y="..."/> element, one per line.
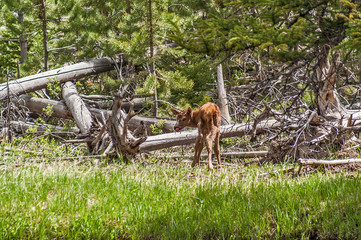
<point x="72" y="72"/>
<point x="77" y="107"/>
<point x="188" y="137"/>
<point x="222" y="97"/>
<point x="316" y="162"/>
<point x="36" y="105"/>
<point x="253" y="154"/>
<point x="102" y="103"/>
<point x="96" y="97"/>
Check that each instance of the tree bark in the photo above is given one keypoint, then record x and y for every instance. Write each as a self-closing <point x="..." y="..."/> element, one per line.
<point x="80" y="112"/>
<point x="222" y="97"/>
<point x="64" y="74"/>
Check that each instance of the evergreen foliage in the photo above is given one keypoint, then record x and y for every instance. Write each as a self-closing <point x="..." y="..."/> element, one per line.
<point x="205" y="32"/>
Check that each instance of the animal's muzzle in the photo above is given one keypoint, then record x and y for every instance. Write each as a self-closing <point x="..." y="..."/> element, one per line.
<point x="176" y="128"/>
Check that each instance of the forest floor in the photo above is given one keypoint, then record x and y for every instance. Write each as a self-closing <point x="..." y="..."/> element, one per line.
<point x="49" y="190"/>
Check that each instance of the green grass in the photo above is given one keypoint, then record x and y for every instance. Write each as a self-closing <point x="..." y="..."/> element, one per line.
<point x="164" y="201"/>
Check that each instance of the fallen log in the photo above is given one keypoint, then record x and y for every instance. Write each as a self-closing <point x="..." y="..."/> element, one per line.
<point x="105" y="102"/>
<point x="188" y="137"/>
<point x="316" y="162"/>
<point x="60" y="110"/>
<point x="37" y="105"/>
<point x="80" y="112"/>
<point x="253" y="154"/>
<point x="22" y="127"/>
<point x="63" y="74"/>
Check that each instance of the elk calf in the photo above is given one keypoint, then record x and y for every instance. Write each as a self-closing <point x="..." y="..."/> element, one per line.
<point x="208" y="121"/>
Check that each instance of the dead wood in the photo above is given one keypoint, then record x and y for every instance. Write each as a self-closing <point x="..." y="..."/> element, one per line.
<point x="188" y="137"/>
<point x="115" y="134"/>
<point x="21" y="127"/>
<point x="105" y="102"/>
<point x="214" y="163"/>
<point x="253" y="154"/>
<point x="96" y="97"/>
<point x="37" y="106"/>
<point x="222" y="97"/>
<point x="77" y="107"/>
<point x="317" y="162"/>
<point x="99" y="137"/>
<point x="64" y="74"/>
<point x="60" y="110"/>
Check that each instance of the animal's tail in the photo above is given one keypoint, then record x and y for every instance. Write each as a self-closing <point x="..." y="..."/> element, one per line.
<point x="217" y="119"/>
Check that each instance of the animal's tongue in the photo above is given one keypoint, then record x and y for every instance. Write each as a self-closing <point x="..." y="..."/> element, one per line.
<point x="177" y="129"/>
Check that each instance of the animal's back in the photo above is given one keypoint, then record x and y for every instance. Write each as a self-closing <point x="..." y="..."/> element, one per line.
<point x="211" y="112"/>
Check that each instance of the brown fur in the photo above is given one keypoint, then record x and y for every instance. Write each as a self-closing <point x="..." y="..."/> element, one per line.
<point x="208" y="121"/>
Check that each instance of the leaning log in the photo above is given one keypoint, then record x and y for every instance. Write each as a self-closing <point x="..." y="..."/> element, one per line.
<point x="222" y="97"/>
<point x="80" y="112"/>
<point x="188" y="137"/>
<point x="60" y="110"/>
<point x="63" y="74"/>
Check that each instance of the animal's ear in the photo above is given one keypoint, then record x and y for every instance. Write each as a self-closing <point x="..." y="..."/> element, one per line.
<point x="175" y="111"/>
<point x="189" y="110"/>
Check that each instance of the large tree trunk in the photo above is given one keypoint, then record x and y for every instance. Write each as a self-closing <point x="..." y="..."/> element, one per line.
<point x="80" y="112"/>
<point x="222" y="97"/>
<point x="64" y="74"/>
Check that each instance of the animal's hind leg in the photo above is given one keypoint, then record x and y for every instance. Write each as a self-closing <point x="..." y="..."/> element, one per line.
<point x="217" y="149"/>
<point x="197" y="151"/>
<point x="209" y="141"/>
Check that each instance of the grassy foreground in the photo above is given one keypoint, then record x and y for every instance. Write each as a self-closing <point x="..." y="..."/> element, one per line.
<point x="165" y="201"/>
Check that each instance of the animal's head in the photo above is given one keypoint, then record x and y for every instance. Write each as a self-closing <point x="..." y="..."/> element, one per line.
<point x="183" y="118"/>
